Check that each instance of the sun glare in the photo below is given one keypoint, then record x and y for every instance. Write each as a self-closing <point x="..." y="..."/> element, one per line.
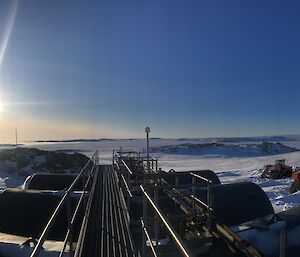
<point x="1" y="107"/>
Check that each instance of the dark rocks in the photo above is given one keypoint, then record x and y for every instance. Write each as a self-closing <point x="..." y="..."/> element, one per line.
<point x="25" y="161"/>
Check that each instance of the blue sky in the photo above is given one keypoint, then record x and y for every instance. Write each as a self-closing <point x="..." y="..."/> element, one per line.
<point x="185" y="68"/>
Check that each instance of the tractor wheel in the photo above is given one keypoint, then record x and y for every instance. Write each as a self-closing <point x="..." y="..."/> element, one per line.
<point x="288" y="173"/>
<point x="295" y="187"/>
<point x="276" y="175"/>
<point x="264" y="174"/>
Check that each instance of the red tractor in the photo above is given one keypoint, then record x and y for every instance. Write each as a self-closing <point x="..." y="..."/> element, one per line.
<point x="277" y="171"/>
<point x="296" y="183"/>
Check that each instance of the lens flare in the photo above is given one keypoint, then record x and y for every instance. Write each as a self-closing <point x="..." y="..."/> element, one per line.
<point x="8" y="28"/>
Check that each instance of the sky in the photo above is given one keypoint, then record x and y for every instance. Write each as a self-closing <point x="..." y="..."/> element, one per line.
<point x="108" y="68"/>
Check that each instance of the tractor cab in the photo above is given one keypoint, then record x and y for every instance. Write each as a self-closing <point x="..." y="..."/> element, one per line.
<point x="280" y="163"/>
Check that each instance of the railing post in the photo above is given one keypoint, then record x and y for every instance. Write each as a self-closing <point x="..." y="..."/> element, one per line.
<point x="194" y="190"/>
<point x="156" y="225"/>
<point x="209" y="204"/>
<point x="90" y="174"/>
<point x="70" y="225"/>
<point x="83" y="188"/>
<point x="128" y="196"/>
<point x="113" y="158"/>
<point x="145" y="218"/>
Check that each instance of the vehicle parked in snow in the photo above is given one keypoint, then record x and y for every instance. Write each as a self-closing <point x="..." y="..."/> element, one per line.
<point x="277" y="171"/>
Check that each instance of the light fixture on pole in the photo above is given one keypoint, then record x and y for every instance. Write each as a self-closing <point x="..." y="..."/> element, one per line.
<point x="147" y="130"/>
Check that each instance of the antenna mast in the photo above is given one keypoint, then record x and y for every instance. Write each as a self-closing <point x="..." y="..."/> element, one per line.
<point x="16" y="132"/>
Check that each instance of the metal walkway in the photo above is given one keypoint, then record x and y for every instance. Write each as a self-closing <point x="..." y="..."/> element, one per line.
<point x="107" y="231"/>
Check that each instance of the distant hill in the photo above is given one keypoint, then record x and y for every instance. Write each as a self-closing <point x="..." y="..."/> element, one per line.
<point x="258" y="139"/>
<point x="244" y="139"/>
<point x="9" y="145"/>
<point x="234" y="150"/>
<point x="74" y="140"/>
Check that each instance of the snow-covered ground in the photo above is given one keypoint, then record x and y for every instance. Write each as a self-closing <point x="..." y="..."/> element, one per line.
<point x="231" y="168"/>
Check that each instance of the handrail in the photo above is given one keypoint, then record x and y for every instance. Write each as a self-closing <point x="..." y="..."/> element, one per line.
<point x="152" y="160"/>
<point x="202" y="178"/>
<point x="148" y="238"/>
<point x="60" y="205"/>
<point x="126" y="185"/>
<point x="74" y="217"/>
<point x="182" y="194"/>
<point x="124" y="163"/>
<point x="130" y="172"/>
<point x="201" y="202"/>
<point x="149" y="169"/>
<point x="170" y="229"/>
<point x="85" y="218"/>
<point x="209" y="198"/>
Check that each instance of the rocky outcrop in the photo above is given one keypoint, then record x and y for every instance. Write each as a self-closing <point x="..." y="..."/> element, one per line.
<point x="25" y="161"/>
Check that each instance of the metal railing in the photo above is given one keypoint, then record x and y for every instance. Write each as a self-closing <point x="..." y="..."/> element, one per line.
<point x="171" y="230"/>
<point x="126" y="186"/>
<point x="117" y="158"/>
<point x="148" y="238"/>
<point x="208" y="205"/>
<point x="86" y="176"/>
<point x="127" y="168"/>
<point x="141" y="160"/>
<point x="141" y="172"/>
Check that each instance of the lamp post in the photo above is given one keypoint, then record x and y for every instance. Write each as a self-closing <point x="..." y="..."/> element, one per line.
<point x="147" y="130"/>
